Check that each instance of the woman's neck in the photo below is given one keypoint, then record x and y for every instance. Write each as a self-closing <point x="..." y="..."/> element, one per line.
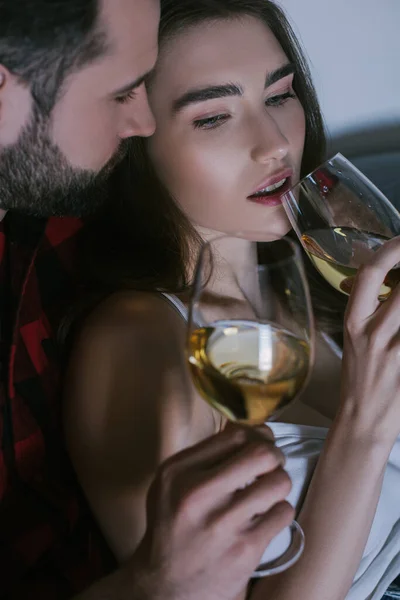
<point x="230" y="256"/>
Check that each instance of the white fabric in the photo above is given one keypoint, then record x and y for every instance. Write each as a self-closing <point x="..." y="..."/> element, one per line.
<point x="381" y="560"/>
<point x="302" y="446"/>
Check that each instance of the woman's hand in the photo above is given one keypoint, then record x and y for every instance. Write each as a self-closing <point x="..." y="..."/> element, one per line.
<point x="370" y="395"/>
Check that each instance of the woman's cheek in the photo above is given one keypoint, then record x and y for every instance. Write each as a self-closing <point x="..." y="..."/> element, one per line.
<point x="298" y="126"/>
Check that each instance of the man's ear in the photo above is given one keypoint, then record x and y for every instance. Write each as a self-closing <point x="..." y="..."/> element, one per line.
<point x="3" y="81"/>
<point x="3" y="77"/>
<point x="15" y="106"/>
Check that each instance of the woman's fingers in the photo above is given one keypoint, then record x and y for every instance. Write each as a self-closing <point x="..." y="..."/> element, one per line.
<point x="363" y="300"/>
<point x="371" y="359"/>
<point x="387" y="319"/>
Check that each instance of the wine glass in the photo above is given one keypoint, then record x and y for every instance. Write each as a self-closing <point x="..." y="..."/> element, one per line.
<point x="341" y="218"/>
<point x="250" y="343"/>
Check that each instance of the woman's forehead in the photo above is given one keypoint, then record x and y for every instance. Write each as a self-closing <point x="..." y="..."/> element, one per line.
<point x="218" y="49"/>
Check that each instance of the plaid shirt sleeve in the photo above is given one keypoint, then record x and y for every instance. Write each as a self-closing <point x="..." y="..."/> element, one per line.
<point x="50" y="547"/>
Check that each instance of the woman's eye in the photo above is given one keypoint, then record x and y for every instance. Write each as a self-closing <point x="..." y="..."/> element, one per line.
<point x="280" y="100"/>
<point x="210" y="122"/>
<point x="126" y="98"/>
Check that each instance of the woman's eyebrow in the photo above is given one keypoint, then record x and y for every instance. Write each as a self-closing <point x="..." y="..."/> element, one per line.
<point x="225" y="90"/>
<point x="206" y="93"/>
<point x="279" y="73"/>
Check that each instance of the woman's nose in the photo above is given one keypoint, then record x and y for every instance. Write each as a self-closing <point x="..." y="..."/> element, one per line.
<point x="269" y="142"/>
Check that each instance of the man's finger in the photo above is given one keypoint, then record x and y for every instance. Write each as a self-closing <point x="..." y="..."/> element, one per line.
<point x="215" y="449"/>
<point x="268" y="525"/>
<point x="216" y="490"/>
<point x="259" y="497"/>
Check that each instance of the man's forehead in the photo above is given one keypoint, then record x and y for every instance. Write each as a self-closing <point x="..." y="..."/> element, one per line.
<point x="130" y="20"/>
<point x="131" y="27"/>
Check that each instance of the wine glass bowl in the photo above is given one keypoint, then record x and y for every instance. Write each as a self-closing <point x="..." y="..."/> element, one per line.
<point x="341" y="218"/>
<point x="248" y="371"/>
<point x="250" y="338"/>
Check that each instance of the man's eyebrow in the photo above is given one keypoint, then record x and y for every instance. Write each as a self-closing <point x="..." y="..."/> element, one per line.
<point x="279" y="73"/>
<point x="206" y="93"/>
<point x="133" y="85"/>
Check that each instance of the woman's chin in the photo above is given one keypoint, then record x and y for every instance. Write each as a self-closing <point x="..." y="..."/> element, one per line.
<point x="270" y="229"/>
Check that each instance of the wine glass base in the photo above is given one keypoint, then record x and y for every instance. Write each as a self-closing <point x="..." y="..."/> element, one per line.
<point x="288" y="558"/>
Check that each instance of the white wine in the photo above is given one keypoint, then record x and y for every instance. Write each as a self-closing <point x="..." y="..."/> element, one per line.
<point x="337" y="253"/>
<point x="247" y="370"/>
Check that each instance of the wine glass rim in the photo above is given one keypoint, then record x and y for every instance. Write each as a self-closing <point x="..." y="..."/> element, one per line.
<point x="328" y="161"/>
<point x="296" y="248"/>
<point x="339" y="156"/>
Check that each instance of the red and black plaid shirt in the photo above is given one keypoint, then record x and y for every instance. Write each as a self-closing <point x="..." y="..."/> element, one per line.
<point x="49" y="545"/>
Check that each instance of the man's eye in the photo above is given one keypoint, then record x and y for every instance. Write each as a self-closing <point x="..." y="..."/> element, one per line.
<point x="280" y="100"/>
<point x="210" y="122"/>
<point x="126" y="97"/>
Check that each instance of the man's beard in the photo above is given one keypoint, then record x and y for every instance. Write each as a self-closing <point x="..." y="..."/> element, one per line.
<point x="36" y="179"/>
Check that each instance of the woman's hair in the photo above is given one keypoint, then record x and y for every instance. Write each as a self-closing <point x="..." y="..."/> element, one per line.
<point x="143" y="240"/>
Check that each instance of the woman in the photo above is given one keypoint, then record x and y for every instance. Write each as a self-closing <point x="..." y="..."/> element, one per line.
<point x="236" y="111"/>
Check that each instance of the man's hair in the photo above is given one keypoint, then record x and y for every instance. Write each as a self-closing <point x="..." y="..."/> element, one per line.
<point x="43" y="41"/>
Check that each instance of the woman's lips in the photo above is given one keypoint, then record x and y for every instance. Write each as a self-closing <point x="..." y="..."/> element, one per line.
<point x="273" y="198"/>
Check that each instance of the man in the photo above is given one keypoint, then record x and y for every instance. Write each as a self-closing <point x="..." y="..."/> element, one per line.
<point x="72" y="93"/>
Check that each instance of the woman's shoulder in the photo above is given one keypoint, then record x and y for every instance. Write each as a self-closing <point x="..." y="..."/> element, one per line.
<point x="128" y="374"/>
<point x="129" y="350"/>
<point x="126" y="336"/>
<point x="128" y="313"/>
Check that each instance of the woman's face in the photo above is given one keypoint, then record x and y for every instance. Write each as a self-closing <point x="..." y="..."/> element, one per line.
<point x="228" y="126"/>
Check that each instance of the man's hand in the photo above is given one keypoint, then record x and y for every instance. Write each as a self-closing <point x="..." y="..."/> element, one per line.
<point x="207" y="525"/>
<point x="207" y="528"/>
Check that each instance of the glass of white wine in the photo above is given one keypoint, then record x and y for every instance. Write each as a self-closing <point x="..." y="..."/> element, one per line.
<point x="341" y="217"/>
<point x="250" y="343"/>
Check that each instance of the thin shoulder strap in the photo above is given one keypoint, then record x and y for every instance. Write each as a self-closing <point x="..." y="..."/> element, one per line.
<point x="333" y="345"/>
<point x="177" y="304"/>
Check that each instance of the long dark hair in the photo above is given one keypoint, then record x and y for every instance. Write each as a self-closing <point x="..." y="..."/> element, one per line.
<point x="143" y="240"/>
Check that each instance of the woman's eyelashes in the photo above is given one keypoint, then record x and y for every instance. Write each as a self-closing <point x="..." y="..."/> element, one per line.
<point x="210" y="122"/>
<point x="215" y="121"/>
<point x="280" y="99"/>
